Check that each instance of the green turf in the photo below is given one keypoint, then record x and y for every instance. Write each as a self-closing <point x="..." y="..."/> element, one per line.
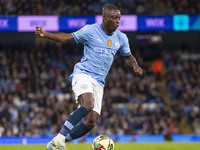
<point x="130" y="146"/>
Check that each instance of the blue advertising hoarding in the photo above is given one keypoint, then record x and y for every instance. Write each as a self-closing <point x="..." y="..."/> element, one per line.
<point x="72" y="23"/>
<point x="181" y="22"/>
<point x="155" y="23"/>
<point x="8" y="23"/>
<point x="89" y="139"/>
<point x="195" y="22"/>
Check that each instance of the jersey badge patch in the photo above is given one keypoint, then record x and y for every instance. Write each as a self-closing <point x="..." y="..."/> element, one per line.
<point x="117" y="44"/>
<point x="109" y="43"/>
<point x="79" y="31"/>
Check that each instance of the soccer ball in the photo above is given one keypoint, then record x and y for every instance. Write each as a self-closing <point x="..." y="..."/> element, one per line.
<point x="103" y="142"/>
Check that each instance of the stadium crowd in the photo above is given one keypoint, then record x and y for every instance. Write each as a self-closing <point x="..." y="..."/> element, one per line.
<point x="183" y="86"/>
<point x="93" y="7"/>
<point x="36" y="96"/>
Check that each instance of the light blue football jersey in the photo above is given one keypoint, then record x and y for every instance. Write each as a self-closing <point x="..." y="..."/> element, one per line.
<point x="99" y="51"/>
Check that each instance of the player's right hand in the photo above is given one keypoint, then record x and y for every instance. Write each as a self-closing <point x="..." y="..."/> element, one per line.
<point x="39" y="31"/>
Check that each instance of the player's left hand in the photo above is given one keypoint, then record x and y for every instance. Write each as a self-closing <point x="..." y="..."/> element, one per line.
<point x="137" y="69"/>
<point x="40" y="31"/>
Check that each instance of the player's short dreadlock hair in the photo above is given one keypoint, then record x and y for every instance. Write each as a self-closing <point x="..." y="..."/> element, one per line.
<point x="109" y="7"/>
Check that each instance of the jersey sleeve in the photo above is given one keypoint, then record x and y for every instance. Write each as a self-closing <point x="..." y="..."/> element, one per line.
<point x="124" y="48"/>
<point x="82" y="35"/>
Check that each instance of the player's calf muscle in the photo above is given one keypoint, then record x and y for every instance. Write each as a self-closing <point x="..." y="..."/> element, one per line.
<point x="91" y="119"/>
<point x="90" y="123"/>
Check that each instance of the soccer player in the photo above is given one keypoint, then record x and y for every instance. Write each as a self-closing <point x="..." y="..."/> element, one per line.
<point x="101" y="42"/>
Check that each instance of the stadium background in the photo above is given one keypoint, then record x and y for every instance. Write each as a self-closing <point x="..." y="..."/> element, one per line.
<point x="36" y="96"/>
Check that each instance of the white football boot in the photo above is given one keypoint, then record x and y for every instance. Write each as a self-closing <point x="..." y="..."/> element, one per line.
<point x="57" y="143"/>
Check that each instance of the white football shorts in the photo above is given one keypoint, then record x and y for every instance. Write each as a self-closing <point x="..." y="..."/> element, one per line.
<point x="82" y="83"/>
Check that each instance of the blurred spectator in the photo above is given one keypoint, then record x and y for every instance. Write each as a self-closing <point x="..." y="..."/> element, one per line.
<point x="183" y="86"/>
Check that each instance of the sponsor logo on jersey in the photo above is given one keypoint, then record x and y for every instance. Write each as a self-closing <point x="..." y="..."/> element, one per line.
<point x="105" y="52"/>
<point x="100" y="41"/>
<point x="109" y="43"/>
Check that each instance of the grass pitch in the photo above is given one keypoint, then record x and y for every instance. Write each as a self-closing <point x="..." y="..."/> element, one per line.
<point x="129" y="146"/>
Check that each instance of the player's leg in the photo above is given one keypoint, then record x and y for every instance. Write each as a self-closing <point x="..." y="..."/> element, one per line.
<point x="89" y="121"/>
<point x="83" y="127"/>
<point x="83" y="89"/>
<point x="87" y="103"/>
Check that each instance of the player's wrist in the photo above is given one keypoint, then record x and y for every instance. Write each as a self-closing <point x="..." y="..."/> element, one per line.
<point x="134" y="65"/>
<point x="45" y="34"/>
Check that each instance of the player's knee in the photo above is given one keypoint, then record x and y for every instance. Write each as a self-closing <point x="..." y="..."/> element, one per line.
<point x="89" y="104"/>
<point x="90" y="122"/>
<point x="87" y="101"/>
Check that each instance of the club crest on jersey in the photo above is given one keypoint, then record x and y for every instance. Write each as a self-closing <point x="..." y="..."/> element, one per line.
<point x="117" y="44"/>
<point x="109" y="43"/>
<point x="79" y="31"/>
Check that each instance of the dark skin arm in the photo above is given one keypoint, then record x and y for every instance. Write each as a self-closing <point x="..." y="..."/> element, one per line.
<point x="63" y="37"/>
<point x="59" y="37"/>
<point x="132" y="62"/>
